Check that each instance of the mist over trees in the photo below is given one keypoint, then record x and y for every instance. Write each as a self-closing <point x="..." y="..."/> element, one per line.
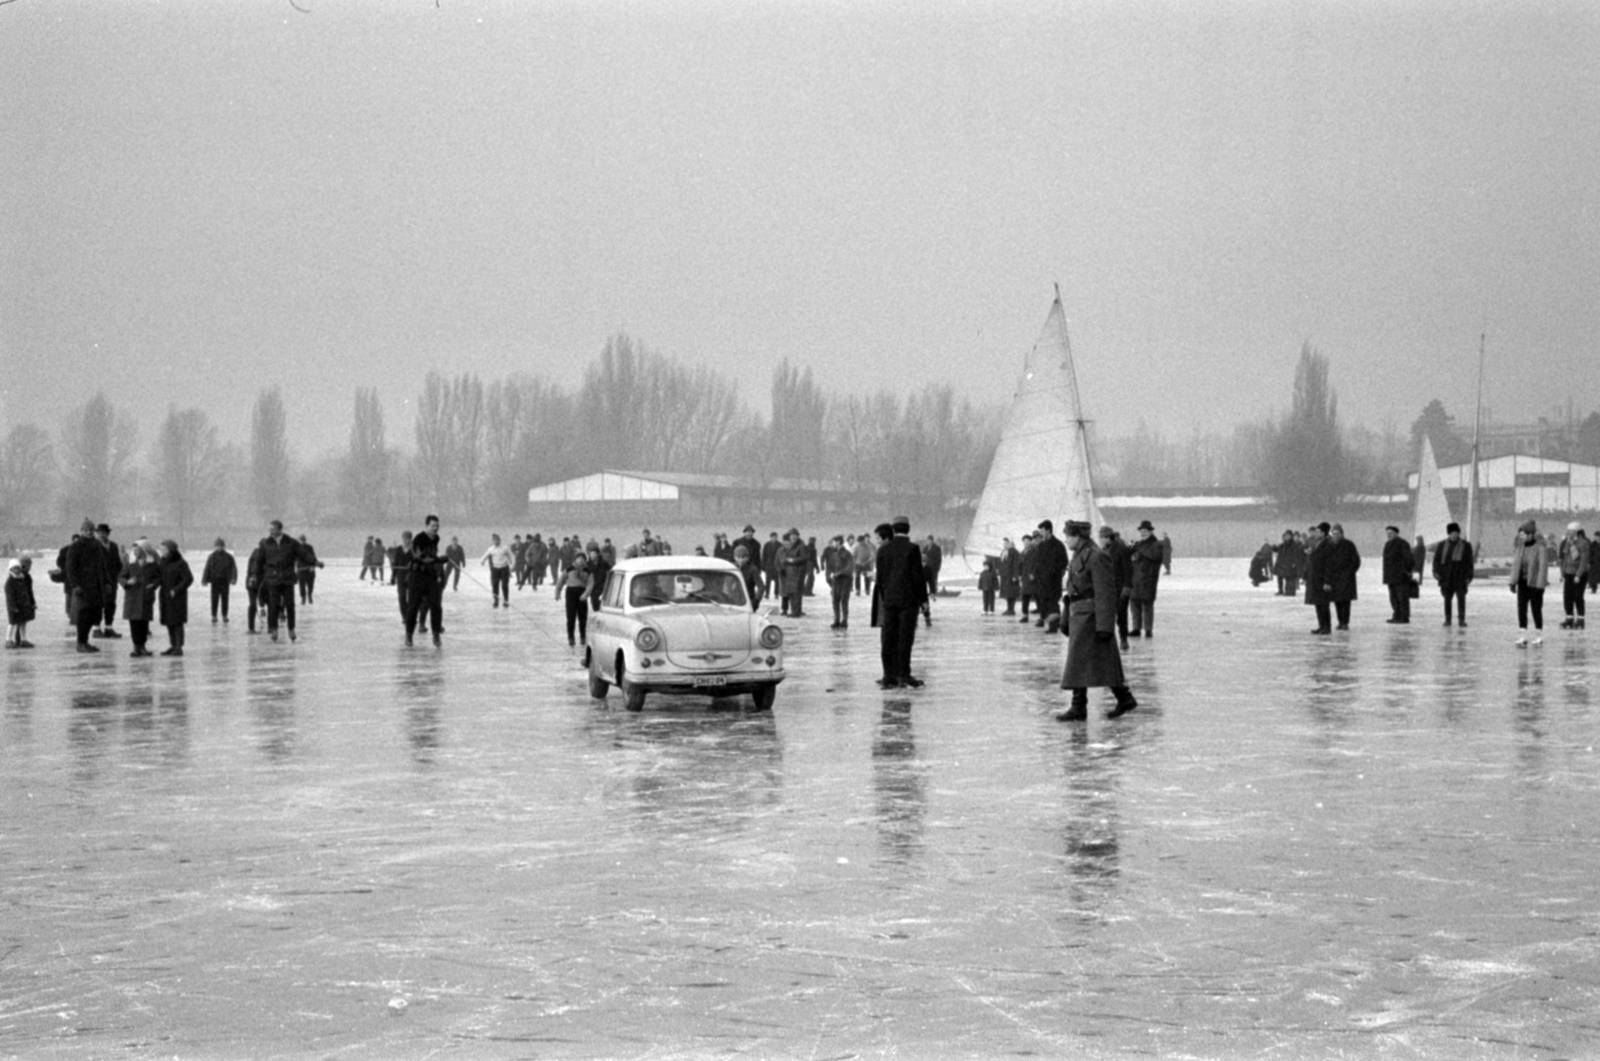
<point x="97" y="448"/>
<point x="269" y="455"/>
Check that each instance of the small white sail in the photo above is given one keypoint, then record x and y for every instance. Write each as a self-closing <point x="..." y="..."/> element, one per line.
<point x="1041" y="467"/>
<point x="1432" y="512"/>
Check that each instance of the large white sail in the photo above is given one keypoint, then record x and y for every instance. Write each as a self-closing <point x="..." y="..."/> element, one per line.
<point x="1041" y="467"/>
<point x="1432" y="511"/>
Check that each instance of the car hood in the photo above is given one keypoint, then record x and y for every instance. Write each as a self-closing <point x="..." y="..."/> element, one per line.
<point x="695" y="633"/>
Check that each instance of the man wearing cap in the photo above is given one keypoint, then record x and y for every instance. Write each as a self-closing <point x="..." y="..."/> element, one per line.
<point x="108" y="592"/>
<point x="1146" y="557"/>
<point x="1049" y="568"/>
<point x="1574" y="560"/>
<point x="900" y="593"/>
<point x="1398" y="574"/>
<point x="1453" y="569"/>
<point x="279" y="554"/>
<point x="83" y="568"/>
<point x="1092" y="657"/>
<point x="220" y="572"/>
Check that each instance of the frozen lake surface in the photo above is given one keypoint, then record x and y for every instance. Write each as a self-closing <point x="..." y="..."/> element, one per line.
<point x="1380" y="844"/>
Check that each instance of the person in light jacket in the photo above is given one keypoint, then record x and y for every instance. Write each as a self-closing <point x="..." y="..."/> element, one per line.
<point x="1530" y="574"/>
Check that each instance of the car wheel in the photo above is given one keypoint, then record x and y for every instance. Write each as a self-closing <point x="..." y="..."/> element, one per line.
<point x="598" y="686"/>
<point x="762" y="697"/>
<point x="632" y="695"/>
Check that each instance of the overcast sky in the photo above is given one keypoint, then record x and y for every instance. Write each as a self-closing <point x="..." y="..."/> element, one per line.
<point x="204" y="199"/>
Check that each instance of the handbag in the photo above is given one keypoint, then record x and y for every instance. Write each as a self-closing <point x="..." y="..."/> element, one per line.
<point x="1413" y="590"/>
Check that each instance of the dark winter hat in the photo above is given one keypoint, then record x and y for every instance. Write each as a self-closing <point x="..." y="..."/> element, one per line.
<point x="749" y="529"/>
<point x="1452" y="528"/>
<point x="1045" y="524"/>
<point x="1392" y="527"/>
<point x="1076" y="528"/>
<point x="1529" y="527"/>
<point x="1145" y="524"/>
<point x="883" y="530"/>
<point x="103" y="529"/>
<point x="1324" y="526"/>
<point x="219" y="543"/>
<point x="1107" y="532"/>
<point x="902" y="524"/>
<point x="87" y="527"/>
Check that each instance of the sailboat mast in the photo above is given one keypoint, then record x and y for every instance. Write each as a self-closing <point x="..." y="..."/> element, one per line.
<point x="1477" y="430"/>
<point x="1080" y="423"/>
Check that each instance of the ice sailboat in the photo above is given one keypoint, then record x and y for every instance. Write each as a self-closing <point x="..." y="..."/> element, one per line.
<point x="1041" y="467"/>
<point x="1432" y="510"/>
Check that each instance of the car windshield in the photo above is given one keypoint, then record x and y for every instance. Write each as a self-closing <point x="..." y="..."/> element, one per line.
<point x="687" y="587"/>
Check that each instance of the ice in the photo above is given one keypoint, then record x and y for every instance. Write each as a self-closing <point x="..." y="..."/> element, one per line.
<point x="1380" y="843"/>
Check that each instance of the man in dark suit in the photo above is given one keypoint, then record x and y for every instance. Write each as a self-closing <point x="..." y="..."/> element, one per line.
<point x="1049" y="568"/>
<point x="897" y="598"/>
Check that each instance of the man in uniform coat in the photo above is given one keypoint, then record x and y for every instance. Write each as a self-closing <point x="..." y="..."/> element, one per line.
<point x="900" y="591"/>
<point x="1092" y="657"/>
<point x="1049" y="567"/>
<point x="1398" y="565"/>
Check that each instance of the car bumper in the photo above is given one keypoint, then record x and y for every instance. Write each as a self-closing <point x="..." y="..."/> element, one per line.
<point x="732" y="683"/>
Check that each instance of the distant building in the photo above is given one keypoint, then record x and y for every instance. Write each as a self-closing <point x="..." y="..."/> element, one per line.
<point x="1518" y="483"/>
<point x="632" y="495"/>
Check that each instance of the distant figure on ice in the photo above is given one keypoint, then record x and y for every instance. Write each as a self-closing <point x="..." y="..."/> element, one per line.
<point x="1290" y="562"/>
<point x="1261" y="564"/>
<point x="220" y="573"/>
<point x="838" y="566"/>
<point x="368" y="561"/>
<point x="1530" y="573"/>
<point x="1009" y="570"/>
<point x="1049" y="568"/>
<point x="427" y="576"/>
<point x="1341" y="560"/>
<point x="1092" y="656"/>
<point x="499" y="559"/>
<point x="900" y="593"/>
<point x="793" y="563"/>
<point x="456" y="557"/>
<point x="279" y="556"/>
<point x="989" y="583"/>
<point x="252" y="588"/>
<point x="176" y="578"/>
<point x="574" y="584"/>
<point x="932" y="561"/>
<point x="20" y="604"/>
<point x="141" y="581"/>
<point x="1574" y="560"/>
<point x="1398" y="575"/>
<point x="1149" y="554"/>
<point x="1453" y="569"/>
<point x="305" y="571"/>
<point x="113" y="561"/>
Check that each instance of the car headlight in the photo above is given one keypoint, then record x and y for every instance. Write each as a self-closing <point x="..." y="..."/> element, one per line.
<point x="648" y="639"/>
<point x="771" y="636"/>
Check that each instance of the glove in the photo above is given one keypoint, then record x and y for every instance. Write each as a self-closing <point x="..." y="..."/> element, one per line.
<point x="1103" y="636"/>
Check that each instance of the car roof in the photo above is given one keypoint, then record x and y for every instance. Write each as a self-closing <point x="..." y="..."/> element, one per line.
<point x="673" y="563"/>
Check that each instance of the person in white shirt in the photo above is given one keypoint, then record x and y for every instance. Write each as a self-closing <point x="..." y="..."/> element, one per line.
<point x="498" y="557"/>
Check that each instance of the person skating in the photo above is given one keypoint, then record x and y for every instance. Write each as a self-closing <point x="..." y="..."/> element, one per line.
<point x="1091" y="626"/>
<point x="427" y="573"/>
<point x="499" y="559"/>
<point x="305" y="571"/>
<point x="573" y="585"/>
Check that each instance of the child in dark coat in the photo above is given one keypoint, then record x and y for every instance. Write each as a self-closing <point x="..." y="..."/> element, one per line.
<point x="20" y="605"/>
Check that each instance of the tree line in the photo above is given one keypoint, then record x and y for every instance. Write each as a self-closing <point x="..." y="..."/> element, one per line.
<point x="478" y="446"/>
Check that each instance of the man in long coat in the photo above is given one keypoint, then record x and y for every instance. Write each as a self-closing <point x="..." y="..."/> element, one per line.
<point x="83" y="567"/>
<point x="1010" y="575"/>
<point x="1397" y="570"/>
<point x="1291" y="557"/>
<point x="279" y="554"/>
<point x="1121" y="558"/>
<point x="1315" y="572"/>
<point x="1049" y="567"/>
<point x="108" y="592"/>
<point x="1148" y="556"/>
<point x="1339" y="573"/>
<point x="1092" y="656"/>
<point x="1453" y="569"/>
<point x="898" y="595"/>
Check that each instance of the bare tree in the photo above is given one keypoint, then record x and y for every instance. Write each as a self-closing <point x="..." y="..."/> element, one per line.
<point x="435" y="437"/>
<point x="27" y="471"/>
<point x="467" y="438"/>
<point x="799" y="409"/>
<point x="97" y="444"/>
<point x="368" y="464"/>
<point x="269" y="455"/>
<point x="1305" y="465"/>
<point x="189" y="465"/>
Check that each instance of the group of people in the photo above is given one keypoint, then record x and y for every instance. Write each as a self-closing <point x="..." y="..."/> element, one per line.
<point x="1327" y="562"/>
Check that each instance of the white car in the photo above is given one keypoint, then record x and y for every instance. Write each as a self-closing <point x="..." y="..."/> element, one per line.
<point x="681" y="624"/>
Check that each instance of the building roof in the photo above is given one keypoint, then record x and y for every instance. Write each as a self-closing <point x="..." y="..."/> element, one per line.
<point x="621" y="485"/>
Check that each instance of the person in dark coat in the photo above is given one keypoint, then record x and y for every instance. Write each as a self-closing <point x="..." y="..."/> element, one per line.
<point x="1261" y="564"/>
<point x="754" y="583"/>
<point x="176" y="578"/>
<point x="252" y="588"/>
<point x="1148" y="556"/>
<point x="455" y="554"/>
<point x="771" y="569"/>
<point x="1288" y="563"/>
<point x="141" y="580"/>
<point x="932" y="561"/>
<point x="427" y="574"/>
<point x="793" y="564"/>
<point x="599" y="572"/>
<point x="1092" y="656"/>
<point x="1027" y="560"/>
<point x="279" y="556"/>
<point x="838" y="568"/>
<point x="1339" y="569"/>
<point x="898" y="594"/>
<point x="989" y="582"/>
<point x="83" y="567"/>
<point x="305" y="571"/>
<point x="1009" y="569"/>
<point x="1121" y="557"/>
<point x="1315" y="575"/>
<point x="108" y="595"/>
<point x="1398" y="573"/>
<point x="221" y="573"/>
<point x="1049" y="568"/>
<point x="21" y="608"/>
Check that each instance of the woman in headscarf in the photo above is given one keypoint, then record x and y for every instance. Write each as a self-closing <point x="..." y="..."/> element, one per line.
<point x="140" y="578"/>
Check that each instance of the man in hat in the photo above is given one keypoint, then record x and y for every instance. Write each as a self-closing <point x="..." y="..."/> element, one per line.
<point x="1092" y="657"/>
<point x="1121" y="558"/>
<point x="1146" y="557"/>
<point x="752" y="547"/>
<point x="83" y="569"/>
<point x="900" y="593"/>
<point x="108" y="593"/>
<point x="1049" y="568"/>
<point x="1398" y="573"/>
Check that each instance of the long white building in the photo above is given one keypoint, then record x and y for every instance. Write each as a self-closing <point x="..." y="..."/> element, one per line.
<point x="1516" y="483"/>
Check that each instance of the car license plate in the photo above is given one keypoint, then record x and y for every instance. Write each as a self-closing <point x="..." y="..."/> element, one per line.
<point x="712" y="679"/>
